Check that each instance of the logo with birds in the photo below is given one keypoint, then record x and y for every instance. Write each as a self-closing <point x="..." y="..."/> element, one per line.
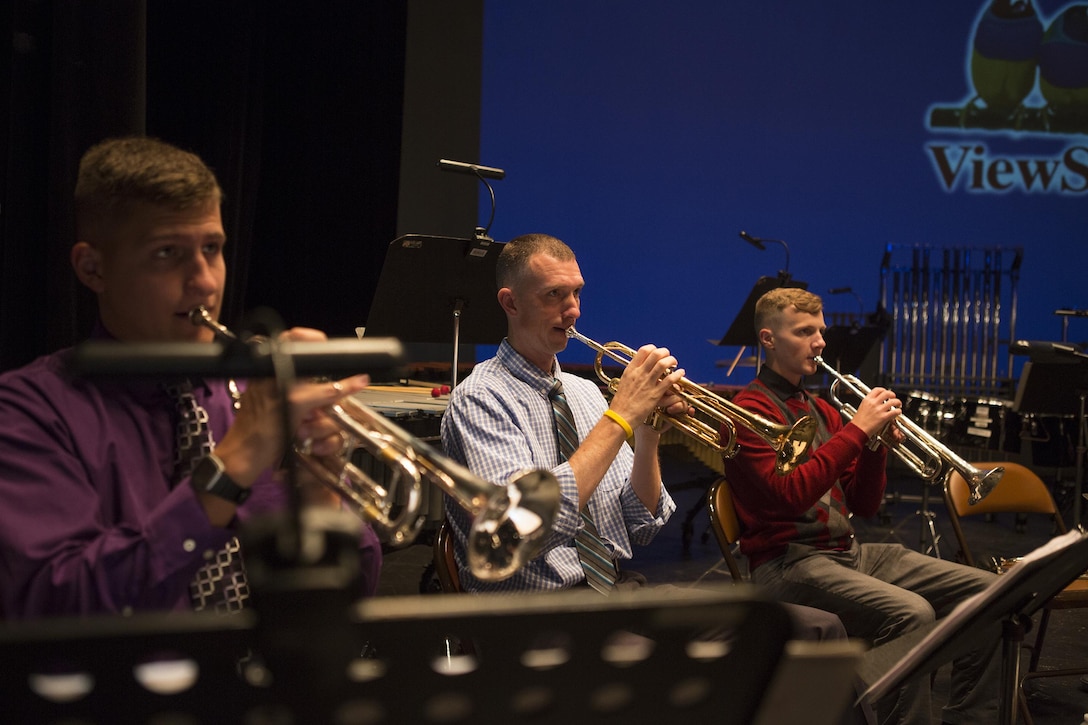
<point x="1029" y="74"/>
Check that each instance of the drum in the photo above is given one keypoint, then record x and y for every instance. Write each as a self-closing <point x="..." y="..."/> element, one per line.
<point x="988" y="423"/>
<point x="932" y="413"/>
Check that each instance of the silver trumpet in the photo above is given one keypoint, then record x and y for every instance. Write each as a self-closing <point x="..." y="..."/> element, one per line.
<point x="791" y="443"/>
<point x="510" y="521"/>
<point x="930" y="458"/>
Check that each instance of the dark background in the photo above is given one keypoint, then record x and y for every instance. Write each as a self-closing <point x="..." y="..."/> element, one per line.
<point x="323" y="122"/>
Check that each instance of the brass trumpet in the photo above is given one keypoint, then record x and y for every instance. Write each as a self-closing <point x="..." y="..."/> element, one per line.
<point x="789" y="442"/>
<point x="932" y="458"/>
<point x="509" y="523"/>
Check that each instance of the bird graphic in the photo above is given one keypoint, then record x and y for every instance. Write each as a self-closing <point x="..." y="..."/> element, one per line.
<point x="1063" y="70"/>
<point x="1004" y="60"/>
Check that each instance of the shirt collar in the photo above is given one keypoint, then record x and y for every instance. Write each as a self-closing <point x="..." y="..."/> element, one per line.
<point x="524" y="370"/>
<point x="781" y="387"/>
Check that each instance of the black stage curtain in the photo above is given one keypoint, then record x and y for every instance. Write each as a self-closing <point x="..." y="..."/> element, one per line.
<point x="297" y="107"/>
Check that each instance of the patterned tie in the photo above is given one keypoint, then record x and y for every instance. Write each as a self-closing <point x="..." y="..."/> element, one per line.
<point x="221" y="582"/>
<point x="599" y="567"/>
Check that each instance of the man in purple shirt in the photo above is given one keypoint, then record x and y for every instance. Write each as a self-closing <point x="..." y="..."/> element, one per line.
<point x="93" y="519"/>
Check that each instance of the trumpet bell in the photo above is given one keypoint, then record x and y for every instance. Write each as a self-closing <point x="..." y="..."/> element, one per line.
<point x="509" y="529"/>
<point x="794" y="444"/>
<point x="982" y="485"/>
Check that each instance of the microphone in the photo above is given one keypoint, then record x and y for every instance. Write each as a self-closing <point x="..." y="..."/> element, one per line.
<point x="850" y="290"/>
<point x="461" y="167"/>
<point x="754" y="241"/>
<point x="760" y="244"/>
<point x="1044" y="348"/>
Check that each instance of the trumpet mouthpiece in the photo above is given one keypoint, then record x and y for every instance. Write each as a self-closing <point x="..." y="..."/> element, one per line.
<point x="198" y="314"/>
<point x="199" y="317"/>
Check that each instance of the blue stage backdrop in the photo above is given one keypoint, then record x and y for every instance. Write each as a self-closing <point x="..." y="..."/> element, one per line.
<point x="648" y="135"/>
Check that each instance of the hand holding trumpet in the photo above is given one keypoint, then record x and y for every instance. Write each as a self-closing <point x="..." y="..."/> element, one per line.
<point x="876" y="414"/>
<point x="647" y="385"/>
<point x="254" y="442"/>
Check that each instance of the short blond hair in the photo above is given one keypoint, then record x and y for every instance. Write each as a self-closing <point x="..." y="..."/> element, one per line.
<point x="770" y="306"/>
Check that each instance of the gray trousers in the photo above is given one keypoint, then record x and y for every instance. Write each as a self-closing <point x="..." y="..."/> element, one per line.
<point x="882" y="591"/>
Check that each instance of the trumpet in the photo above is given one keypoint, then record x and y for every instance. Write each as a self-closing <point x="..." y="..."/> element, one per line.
<point x="932" y="458"/>
<point x="509" y="522"/>
<point x="790" y="442"/>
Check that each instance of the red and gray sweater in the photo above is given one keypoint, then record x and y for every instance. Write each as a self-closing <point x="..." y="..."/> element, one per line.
<point x="812" y="504"/>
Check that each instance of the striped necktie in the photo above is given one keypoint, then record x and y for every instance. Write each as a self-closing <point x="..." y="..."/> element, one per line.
<point x="221" y="583"/>
<point x="596" y="561"/>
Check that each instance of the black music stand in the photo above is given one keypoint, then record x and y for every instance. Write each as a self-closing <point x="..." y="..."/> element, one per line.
<point x="742" y="332"/>
<point x="439" y="289"/>
<point x="1007" y="603"/>
<point x="848" y="345"/>
<point x="544" y="658"/>
<point x="1045" y="383"/>
<point x="338" y="357"/>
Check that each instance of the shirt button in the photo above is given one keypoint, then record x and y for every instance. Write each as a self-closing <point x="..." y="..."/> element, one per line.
<point x="188" y="545"/>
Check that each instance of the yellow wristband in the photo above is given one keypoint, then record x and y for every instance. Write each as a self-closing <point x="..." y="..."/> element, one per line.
<point x="613" y="415"/>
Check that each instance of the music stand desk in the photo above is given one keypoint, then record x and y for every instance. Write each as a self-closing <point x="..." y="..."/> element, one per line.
<point x="1007" y="603"/>
<point x="848" y="346"/>
<point x="1044" y="389"/>
<point x="1049" y="387"/>
<point x="550" y="658"/>
<point x="438" y="289"/>
<point x="742" y="331"/>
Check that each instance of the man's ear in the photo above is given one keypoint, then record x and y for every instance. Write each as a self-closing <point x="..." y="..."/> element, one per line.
<point x="507" y="302"/>
<point x="766" y="338"/>
<point x="87" y="263"/>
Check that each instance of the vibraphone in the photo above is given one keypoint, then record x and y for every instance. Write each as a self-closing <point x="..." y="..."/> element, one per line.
<point x="946" y="354"/>
<point x="416" y="409"/>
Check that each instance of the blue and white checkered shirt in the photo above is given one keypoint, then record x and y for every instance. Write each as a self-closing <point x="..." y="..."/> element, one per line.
<point x="499" y="422"/>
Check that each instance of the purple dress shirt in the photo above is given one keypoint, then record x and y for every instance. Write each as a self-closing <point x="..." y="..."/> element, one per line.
<point x="89" y="522"/>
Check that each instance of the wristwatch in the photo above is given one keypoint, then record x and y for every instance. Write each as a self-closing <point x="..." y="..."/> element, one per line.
<point x="211" y="476"/>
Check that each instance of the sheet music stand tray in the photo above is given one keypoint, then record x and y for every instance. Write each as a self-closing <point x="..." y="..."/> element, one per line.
<point x="1044" y="387"/>
<point x="848" y="346"/>
<point x="438" y="289"/>
<point x="1009" y="603"/>
<point x="406" y="676"/>
<point x="742" y="332"/>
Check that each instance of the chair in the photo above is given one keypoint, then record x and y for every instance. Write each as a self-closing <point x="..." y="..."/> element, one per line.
<point x="1020" y="491"/>
<point x="723" y="519"/>
<point x="445" y="563"/>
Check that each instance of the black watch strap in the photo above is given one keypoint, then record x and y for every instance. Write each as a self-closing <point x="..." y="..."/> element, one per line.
<point x="211" y="477"/>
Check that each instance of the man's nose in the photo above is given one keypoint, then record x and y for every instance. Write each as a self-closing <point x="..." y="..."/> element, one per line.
<point x="201" y="275"/>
